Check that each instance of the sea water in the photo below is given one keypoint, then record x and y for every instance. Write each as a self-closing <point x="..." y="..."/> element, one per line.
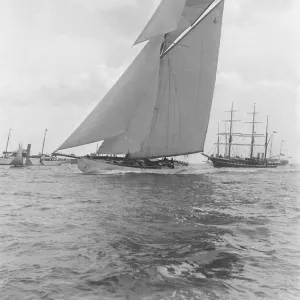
<point x="206" y="234"/>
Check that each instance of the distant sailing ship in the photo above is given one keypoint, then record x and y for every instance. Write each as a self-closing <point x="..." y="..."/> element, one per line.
<point x="41" y="159"/>
<point x="229" y="161"/>
<point x="160" y="106"/>
<point x="277" y="158"/>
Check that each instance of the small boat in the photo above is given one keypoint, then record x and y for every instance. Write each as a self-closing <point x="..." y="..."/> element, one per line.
<point x="229" y="161"/>
<point x="18" y="161"/>
<point x="6" y="160"/>
<point x="159" y="108"/>
<point x="277" y="158"/>
<point x="41" y="159"/>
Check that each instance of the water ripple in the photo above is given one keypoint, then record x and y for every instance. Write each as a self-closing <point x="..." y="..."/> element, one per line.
<point x="209" y="234"/>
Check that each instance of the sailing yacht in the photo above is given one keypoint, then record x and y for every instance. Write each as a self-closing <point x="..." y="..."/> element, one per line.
<point x="18" y="159"/>
<point x="160" y="107"/>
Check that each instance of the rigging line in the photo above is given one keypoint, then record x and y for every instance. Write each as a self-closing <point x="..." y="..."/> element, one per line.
<point x="174" y="112"/>
<point x="202" y="17"/>
<point x="168" y="123"/>
<point x="69" y="168"/>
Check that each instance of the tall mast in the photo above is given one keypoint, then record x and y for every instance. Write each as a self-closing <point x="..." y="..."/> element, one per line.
<point x="229" y="141"/>
<point x="7" y="142"/>
<point x="230" y="131"/>
<point x="253" y="128"/>
<point x="218" y="145"/>
<point x="44" y="141"/>
<point x="225" y="132"/>
<point x="266" y="143"/>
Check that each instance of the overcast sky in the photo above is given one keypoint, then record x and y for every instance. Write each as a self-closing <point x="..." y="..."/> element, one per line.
<point x="59" y="57"/>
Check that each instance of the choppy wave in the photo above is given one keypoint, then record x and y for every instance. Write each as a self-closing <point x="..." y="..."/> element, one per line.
<point x="203" y="234"/>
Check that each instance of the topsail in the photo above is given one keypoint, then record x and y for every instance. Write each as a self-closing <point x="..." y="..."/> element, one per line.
<point x="193" y="9"/>
<point x="164" y="20"/>
<point x="161" y="104"/>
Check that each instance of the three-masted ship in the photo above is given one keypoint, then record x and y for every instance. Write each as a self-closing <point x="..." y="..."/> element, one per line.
<point x="227" y="160"/>
<point x="159" y="108"/>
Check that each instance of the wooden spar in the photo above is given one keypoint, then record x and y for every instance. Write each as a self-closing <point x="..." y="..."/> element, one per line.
<point x="253" y="128"/>
<point x="7" y="142"/>
<point x="253" y="131"/>
<point x="230" y="131"/>
<point x="225" y="140"/>
<point x="211" y="7"/>
<point x="44" y="141"/>
<point x="65" y="155"/>
<point x="218" y="147"/>
<point x="266" y="143"/>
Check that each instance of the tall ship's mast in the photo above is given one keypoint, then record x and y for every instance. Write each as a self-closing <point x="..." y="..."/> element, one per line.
<point x="5" y="155"/>
<point x="227" y="141"/>
<point x="231" y="133"/>
<point x="253" y="133"/>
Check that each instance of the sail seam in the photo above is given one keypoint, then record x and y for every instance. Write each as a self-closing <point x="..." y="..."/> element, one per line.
<point x="168" y="124"/>
<point x="199" y="82"/>
<point x="154" y="115"/>
<point x="176" y="98"/>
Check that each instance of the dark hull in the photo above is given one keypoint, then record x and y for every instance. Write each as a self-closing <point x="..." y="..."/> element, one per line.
<point x="240" y="163"/>
<point x="284" y="162"/>
<point x="141" y="163"/>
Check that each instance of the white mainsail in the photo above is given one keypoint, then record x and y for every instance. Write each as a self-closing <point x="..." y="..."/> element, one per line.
<point x="18" y="159"/>
<point x="161" y="105"/>
<point x="188" y="74"/>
